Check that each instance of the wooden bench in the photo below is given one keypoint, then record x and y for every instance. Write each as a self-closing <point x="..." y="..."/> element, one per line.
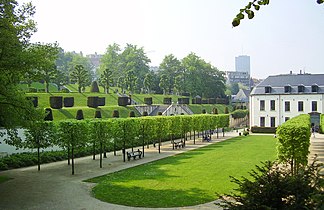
<point x="134" y="154"/>
<point x="177" y="144"/>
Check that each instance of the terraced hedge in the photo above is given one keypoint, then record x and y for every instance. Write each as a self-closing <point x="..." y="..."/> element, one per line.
<point x="294" y="141"/>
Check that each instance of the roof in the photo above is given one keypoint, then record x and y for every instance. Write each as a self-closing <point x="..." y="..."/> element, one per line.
<point x="241" y="96"/>
<point x="278" y="82"/>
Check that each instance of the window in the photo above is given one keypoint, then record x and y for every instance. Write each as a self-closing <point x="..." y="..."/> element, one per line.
<point x="272" y="122"/>
<point x="262" y="105"/>
<point x="314" y="106"/>
<point x="262" y="121"/>
<point x="272" y="105"/>
<point x="287" y="106"/>
<point x="301" y="88"/>
<point x="314" y="88"/>
<point x="287" y="89"/>
<point x="300" y="106"/>
<point x="287" y="118"/>
<point x="267" y="89"/>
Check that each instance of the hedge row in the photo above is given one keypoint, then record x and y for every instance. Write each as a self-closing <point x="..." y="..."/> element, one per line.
<point x="113" y="134"/>
<point x="294" y="141"/>
<point x="322" y="124"/>
<point x="239" y="113"/>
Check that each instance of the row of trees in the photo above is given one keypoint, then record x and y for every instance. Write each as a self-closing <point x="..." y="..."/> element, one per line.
<point x="111" y="134"/>
<point x="129" y="70"/>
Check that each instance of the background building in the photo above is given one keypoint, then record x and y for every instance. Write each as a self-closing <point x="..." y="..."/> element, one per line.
<point x="281" y="97"/>
<point x="242" y="64"/>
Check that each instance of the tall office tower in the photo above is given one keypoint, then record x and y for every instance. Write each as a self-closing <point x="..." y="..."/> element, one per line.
<point x="242" y="63"/>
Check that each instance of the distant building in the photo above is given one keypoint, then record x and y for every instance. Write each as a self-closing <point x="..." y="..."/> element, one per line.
<point x="242" y="64"/>
<point x="241" y="99"/>
<point x="238" y="77"/>
<point x="95" y="60"/>
<point x="281" y="97"/>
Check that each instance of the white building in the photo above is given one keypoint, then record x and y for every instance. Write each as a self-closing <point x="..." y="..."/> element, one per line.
<point x="279" y="98"/>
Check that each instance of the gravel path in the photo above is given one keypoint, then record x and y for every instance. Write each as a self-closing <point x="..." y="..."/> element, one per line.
<point x="53" y="187"/>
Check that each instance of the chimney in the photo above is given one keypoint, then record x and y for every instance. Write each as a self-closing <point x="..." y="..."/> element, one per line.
<point x="300" y="71"/>
<point x="290" y="72"/>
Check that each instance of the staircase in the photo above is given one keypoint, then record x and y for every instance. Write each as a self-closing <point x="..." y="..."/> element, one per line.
<point x="158" y="109"/>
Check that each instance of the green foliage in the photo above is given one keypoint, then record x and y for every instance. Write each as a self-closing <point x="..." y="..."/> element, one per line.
<point x="248" y="10"/>
<point x="273" y="187"/>
<point x="322" y="123"/>
<point x="239" y="113"/>
<point x="81" y="76"/>
<point x="294" y="141"/>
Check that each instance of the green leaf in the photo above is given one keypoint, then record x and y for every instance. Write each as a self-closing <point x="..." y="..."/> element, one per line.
<point x="256" y="7"/>
<point x="320" y="1"/>
<point x="240" y="16"/>
<point x="250" y="14"/>
<point x="236" y="22"/>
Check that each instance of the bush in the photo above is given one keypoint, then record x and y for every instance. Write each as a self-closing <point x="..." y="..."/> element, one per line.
<point x="101" y="101"/>
<point x="48" y="114"/>
<point x="273" y="187"/>
<point x="34" y="100"/>
<point x="256" y="129"/>
<point x="94" y="87"/>
<point x="32" y="90"/>
<point x="65" y="90"/>
<point x="148" y="101"/>
<point x="56" y="102"/>
<point x="92" y="101"/>
<point x="68" y="101"/>
<point x="239" y="113"/>
<point x="79" y="115"/>
<point x="98" y="114"/>
<point x="167" y="101"/>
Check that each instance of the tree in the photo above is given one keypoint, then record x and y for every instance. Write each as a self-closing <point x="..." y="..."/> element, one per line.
<point x="179" y="84"/>
<point x="170" y="67"/>
<point x="109" y="68"/>
<point x="130" y="80"/>
<point x="248" y="10"/>
<point x="16" y="58"/>
<point x="235" y="88"/>
<point x="106" y="78"/>
<point x="81" y="76"/>
<point x="164" y="83"/>
<point x="148" y="80"/>
<point x="45" y="67"/>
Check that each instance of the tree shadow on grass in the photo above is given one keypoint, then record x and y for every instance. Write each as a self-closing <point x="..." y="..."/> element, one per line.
<point x="151" y="198"/>
<point x="66" y="113"/>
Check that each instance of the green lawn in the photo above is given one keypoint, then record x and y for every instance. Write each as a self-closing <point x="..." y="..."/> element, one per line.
<point x="186" y="179"/>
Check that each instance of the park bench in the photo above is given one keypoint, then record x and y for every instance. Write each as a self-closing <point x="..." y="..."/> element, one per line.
<point x="206" y="138"/>
<point x="177" y="144"/>
<point x="134" y="154"/>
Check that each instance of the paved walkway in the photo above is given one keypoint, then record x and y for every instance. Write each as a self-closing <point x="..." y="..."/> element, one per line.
<point x="55" y="188"/>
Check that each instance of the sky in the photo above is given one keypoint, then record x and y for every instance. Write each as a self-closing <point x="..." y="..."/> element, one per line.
<point x="287" y="35"/>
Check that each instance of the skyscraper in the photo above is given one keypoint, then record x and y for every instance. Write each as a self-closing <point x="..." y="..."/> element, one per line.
<point x="242" y="63"/>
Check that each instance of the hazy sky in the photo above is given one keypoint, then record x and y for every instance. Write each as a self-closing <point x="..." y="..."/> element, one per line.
<point x="287" y="35"/>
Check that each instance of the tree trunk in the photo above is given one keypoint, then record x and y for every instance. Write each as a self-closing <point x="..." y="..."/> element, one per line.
<point x="79" y="89"/>
<point x="100" y="154"/>
<point x="194" y="137"/>
<point x="94" y="151"/>
<point x="72" y="159"/>
<point x="46" y="87"/>
<point x="68" y="155"/>
<point x="38" y="159"/>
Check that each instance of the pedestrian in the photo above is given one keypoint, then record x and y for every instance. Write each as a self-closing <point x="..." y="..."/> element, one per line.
<point x="313" y="131"/>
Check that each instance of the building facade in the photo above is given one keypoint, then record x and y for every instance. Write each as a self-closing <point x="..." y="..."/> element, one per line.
<point x="238" y="77"/>
<point x="281" y="97"/>
<point x="242" y="64"/>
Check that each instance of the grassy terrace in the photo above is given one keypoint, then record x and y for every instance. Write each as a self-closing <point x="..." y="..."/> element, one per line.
<point x="187" y="179"/>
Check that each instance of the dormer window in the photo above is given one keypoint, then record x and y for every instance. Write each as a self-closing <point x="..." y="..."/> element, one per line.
<point x="301" y="88"/>
<point x="314" y="88"/>
<point x="267" y="89"/>
<point x="287" y="89"/>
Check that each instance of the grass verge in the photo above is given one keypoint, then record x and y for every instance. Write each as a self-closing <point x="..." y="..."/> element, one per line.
<point x="4" y="178"/>
<point x="187" y="179"/>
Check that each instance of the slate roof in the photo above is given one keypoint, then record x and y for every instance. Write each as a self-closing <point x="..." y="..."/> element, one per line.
<point x="278" y="82"/>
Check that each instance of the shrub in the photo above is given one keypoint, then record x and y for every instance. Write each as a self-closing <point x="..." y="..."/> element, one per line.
<point x="98" y="114"/>
<point x="56" y="102"/>
<point x="148" y="101"/>
<point x="92" y="101"/>
<point x="79" y="115"/>
<point x="34" y="100"/>
<point x="212" y="100"/>
<point x="256" y="129"/>
<point x="94" y="87"/>
<point x="48" y="114"/>
<point x="65" y="90"/>
<point x="167" y="101"/>
<point x="239" y="113"/>
<point x="115" y="114"/>
<point x="32" y="90"/>
<point x="101" y="101"/>
<point x="68" y="101"/>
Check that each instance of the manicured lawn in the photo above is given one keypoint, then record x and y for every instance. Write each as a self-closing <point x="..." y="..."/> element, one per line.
<point x="186" y="179"/>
